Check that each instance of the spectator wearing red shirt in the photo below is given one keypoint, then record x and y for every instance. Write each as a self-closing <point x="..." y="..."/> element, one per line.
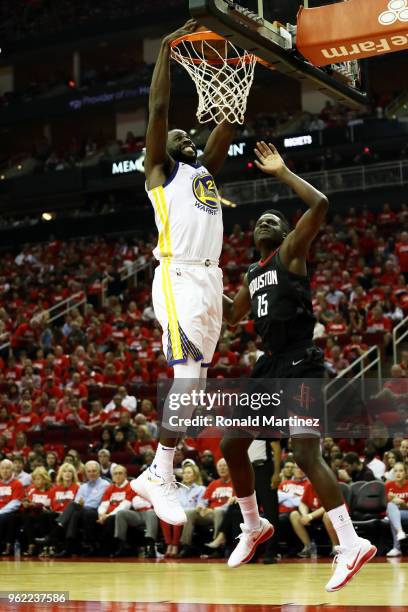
<point x="310" y="509"/>
<point x="20" y="445"/>
<point x="376" y="293"/>
<point x="76" y="416"/>
<point x="133" y="314"/>
<point x="290" y="491"/>
<point x="160" y="369"/>
<point x="336" y="361"/>
<point x="11" y="495"/>
<point x="52" y="417"/>
<point x="224" y="359"/>
<point x="355" y="348"/>
<point x="358" y="297"/>
<point x="12" y="372"/>
<point x="338" y="326"/>
<point x="390" y="275"/>
<point x="367" y="245"/>
<point x="401" y="251"/>
<point x="147" y="409"/>
<point x="27" y="420"/>
<point x="111" y="377"/>
<point x="397" y="507"/>
<point x="51" y="388"/>
<point x="386" y="217"/>
<point x="138" y="374"/>
<point x="398" y="384"/>
<point x="210" y="512"/>
<point x="97" y="417"/>
<point x="61" y="494"/>
<point x="112" y="412"/>
<point x="377" y="322"/>
<point x="144" y="441"/>
<point x="77" y="388"/>
<point x="24" y="337"/>
<point x="61" y="360"/>
<point x="117" y="497"/>
<point x="35" y="518"/>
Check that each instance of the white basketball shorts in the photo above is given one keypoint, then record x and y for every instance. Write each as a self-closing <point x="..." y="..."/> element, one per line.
<point x="187" y="301"/>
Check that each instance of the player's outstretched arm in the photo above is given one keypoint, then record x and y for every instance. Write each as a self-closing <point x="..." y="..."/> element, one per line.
<point x="216" y="149"/>
<point x="234" y="310"/>
<point x="158" y="164"/>
<point x="297" y="243"/>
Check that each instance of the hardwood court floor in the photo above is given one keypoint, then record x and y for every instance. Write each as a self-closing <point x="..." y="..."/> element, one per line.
<point x="166" y="586"/>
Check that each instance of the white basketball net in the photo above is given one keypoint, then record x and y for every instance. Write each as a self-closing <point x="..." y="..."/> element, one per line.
<point x="222" y="82"/>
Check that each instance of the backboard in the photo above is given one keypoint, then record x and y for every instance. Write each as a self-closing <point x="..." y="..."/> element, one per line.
<point x="267" y="28"/>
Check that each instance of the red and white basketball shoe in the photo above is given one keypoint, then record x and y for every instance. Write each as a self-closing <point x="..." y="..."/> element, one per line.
<point x="348" y="562"/>
<point x="249" y="540"/>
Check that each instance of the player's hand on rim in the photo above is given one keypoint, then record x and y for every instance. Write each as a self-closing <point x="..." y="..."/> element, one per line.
<point x="187" y="28"/>
<point x="269" y="159"/>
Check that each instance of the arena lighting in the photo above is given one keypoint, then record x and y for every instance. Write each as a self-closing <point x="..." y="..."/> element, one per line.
<point x="47" y="216"/>
<point x="227" y="203"/>
<point x="2" y="177"/>
<point x="19" y="167"/>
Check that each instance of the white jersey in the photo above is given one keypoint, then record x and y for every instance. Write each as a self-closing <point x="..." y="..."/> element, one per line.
<point x="188" y="215"/>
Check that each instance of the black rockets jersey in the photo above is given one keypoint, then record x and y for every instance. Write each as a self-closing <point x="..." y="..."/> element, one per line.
<point x="281" y="305"/>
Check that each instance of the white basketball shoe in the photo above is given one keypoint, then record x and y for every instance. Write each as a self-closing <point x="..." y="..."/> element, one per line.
<point x="162" y="494"/>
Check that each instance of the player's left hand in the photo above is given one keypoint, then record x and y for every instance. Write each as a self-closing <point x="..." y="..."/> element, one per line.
<point x="269" y="159"/>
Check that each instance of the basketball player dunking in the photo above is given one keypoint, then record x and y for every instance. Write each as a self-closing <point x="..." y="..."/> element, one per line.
<point x="283" y="316"/>
<point x="187" y="286"/>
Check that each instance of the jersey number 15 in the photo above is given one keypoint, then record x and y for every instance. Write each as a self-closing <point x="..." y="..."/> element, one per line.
<point x="262" y="305"/>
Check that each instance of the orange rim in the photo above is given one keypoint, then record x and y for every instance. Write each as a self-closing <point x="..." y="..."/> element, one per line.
<point x="205" y="35"/>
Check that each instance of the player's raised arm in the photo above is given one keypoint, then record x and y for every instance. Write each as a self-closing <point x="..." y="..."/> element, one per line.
<point x="158" y="164"/>
<point x="235" y="310"/>
<point x="216" y="149"/>
<point x="297" y="243"/>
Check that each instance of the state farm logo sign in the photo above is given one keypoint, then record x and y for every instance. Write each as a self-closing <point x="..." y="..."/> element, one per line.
<point x="397" y="10"/>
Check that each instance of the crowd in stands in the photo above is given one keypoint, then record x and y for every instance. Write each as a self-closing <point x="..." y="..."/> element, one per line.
<point x="83" y="387"/>
<point x="50" y="498"/>
<point x="44" y="157"/>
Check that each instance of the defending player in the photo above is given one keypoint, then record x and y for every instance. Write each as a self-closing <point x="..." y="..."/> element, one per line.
<point x="281" y="306"/>
<point x="187" y="286"/>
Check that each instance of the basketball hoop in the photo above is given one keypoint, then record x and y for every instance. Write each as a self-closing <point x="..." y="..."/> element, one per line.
<point x="222" y="74"/>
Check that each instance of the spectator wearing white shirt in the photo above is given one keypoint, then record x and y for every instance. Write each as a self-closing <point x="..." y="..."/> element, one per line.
<point x="319" y="330"/>
<point x="392" y="457"/>
<point x="251" y="354"/>
<point x="148" y="313"/>
<point x="333" y="296"/>
<point x="376" y="465"/>
<point x="127" y="401"/>
<point x="19" y="473"/>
